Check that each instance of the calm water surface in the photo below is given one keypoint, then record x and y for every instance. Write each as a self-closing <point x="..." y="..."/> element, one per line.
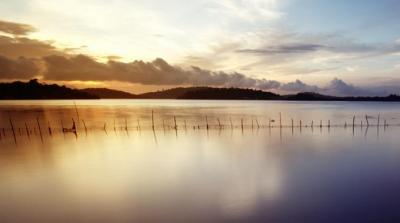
<point x="131" y="173"/>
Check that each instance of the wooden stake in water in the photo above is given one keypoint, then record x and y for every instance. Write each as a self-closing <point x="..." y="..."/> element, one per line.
<point x="280" y="120"/>
<point x="230" y="120"/>
<point x="126" y="125"/>
<point x="379" y="117"/>
<point x="152" y="119"/>
<point x="50" y="131"/>
<point x="219" y="124"/>
<point x="175" y="125"/>
<point x="12" y="128"/>
<point x="40" y="130"/>
<point x="354" y="121"/>
<point x="366" y="118"/>
<point x="207" y="123"/>
<point x="300" y="125"/>
<point x="27" y="131"/>
<point x="258" y="125"/>
<point x="241" y="123"/>
<point x="84" y="125"/>
<point x="76" y="110"/>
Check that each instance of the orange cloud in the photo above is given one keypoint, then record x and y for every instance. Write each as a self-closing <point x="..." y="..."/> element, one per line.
<point x="16" y="28"/>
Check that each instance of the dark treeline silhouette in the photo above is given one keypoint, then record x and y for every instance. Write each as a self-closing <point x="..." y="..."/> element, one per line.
<point x="108" y="93"/>
<point x="228" y="94"/>
<point x="35" y="90"/>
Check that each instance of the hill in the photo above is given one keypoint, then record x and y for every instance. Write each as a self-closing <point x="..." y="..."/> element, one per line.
<point x="35" y="90"/>
<point x="228" y="94"/>
<point x="109" y="93"/>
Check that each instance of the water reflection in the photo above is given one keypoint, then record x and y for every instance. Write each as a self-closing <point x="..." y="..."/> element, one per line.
<point x="216" y="169"/>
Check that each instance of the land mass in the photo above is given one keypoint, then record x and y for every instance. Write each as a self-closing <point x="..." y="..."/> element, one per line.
<point x="35" y="90"/>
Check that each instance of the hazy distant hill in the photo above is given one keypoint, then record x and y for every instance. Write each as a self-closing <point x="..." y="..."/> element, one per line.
<point x="109" y="93"/>
<point x="311" y="96"/>
<point x="35" y="90"/>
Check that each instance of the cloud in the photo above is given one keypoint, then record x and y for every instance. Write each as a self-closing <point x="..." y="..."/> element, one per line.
<point x="21" y="68"/>
<point x="157" y="72"/>
<point x="16" y="28"/>
<point x="25" y="58"/>
<point x="339" y="87"/>
<point x="14" y="47"/>
<point x="285" y="49"/>
<point x="298" y="86"/>
<point x="252" y="10"/>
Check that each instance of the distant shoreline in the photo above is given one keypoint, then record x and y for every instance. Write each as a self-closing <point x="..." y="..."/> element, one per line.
<point x="33" y="90"/>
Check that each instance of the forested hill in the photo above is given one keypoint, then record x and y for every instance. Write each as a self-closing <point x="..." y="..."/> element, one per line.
<point x="35" y="90"/>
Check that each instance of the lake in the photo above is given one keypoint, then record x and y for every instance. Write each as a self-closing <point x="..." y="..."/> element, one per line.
<point x="203" y="161"/>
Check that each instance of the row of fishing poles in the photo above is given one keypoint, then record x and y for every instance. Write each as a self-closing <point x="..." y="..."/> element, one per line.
<point x="254" y="124"/>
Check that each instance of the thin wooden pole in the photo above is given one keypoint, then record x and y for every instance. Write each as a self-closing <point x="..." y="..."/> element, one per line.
<point x="379" y="118"/>
<point x="207" y="123"/>
<point x="152" y="119"/>
<point x="84" y="125"/>
<point x="27" y="130"/>
<point x="50" y="131"/>
<point x="280" y="120"/>
<point x="292" y="124"/>
<point x="300" y="124"/>
<point x="40" y="130"/>
<point x="230" y="120"/>
<point x="219" y="124"/>
<point x="241" y="123"/>
<point x="366" y="118"/>
<point x="175" y="125"/>
<point x="76" y="110"/>
<point x="12" y="128"/>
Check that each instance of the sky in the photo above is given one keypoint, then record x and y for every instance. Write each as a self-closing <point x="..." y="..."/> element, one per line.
<point x="336" y="47"/>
